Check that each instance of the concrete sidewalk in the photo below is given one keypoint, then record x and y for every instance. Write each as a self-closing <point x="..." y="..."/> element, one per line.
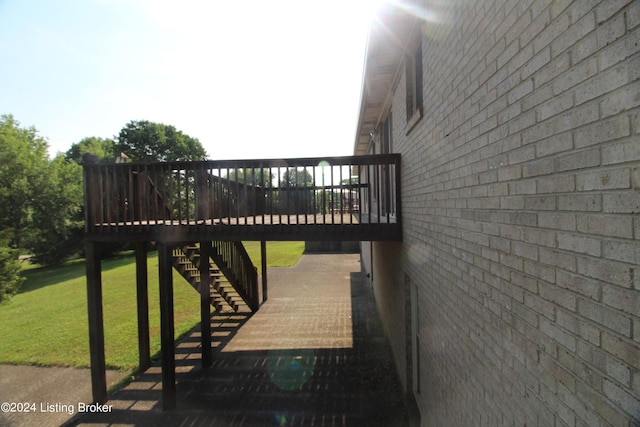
<point x="313" y="355"/>
<point x="52" y="394"/>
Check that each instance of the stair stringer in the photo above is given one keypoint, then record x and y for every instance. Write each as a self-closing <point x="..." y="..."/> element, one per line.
<point x="184" y="264"/>
<point x="225" y="290"/>
<point x="247" y="291"/>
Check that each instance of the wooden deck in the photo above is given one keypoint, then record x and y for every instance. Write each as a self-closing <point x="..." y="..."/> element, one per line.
<point x="336" y="226"/>
<point x="203" y="204"/>
<point x="346" y="198"/>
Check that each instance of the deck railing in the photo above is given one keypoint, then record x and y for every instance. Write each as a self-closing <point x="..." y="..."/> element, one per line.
<point x="336" y="190"/>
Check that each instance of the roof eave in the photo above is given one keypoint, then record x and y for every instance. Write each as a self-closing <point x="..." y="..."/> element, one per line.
<point x="386" y="45"/>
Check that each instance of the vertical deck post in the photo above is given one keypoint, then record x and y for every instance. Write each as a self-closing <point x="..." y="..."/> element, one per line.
<point x="205" y="303"/>
<point x="142" y="295"/>
<point x="167" y="341"/>
<point x="96" y="324"/>
<point x="263" y="256"/>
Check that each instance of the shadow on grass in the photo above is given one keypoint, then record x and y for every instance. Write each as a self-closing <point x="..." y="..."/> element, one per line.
<point x="40" y="277"/>
<point x="224" y="327"/>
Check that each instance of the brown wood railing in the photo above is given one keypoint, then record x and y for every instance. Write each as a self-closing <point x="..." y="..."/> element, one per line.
<point x="233" y="260"/>
<point x="335" y="190"/>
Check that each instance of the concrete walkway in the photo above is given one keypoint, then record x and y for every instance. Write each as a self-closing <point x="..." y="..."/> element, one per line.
<point x="52" y="395"/>
<point x="313" y="355"/>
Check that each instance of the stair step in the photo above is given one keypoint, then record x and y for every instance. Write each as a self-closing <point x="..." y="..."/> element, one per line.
<point x="223" y="296"/>
<point x="221" y="305"/>
<point x="229" y="293"/>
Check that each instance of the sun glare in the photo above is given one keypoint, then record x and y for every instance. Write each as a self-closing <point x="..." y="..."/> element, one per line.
<point x="372" y="7"/>
<point x="435" y="15"/>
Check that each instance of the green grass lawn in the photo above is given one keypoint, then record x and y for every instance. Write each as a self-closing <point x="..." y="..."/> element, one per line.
<point x="279" y="254"/>
<point x="46" y="323"/>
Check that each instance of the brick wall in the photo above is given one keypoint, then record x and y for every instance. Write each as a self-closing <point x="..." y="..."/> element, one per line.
<point x="521" y="210"/>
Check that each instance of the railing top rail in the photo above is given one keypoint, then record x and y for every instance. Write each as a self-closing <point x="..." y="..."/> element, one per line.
<point x="372" y="159"/>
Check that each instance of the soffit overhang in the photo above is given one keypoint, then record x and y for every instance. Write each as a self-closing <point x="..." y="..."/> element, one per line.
<point x="386" y="46"/>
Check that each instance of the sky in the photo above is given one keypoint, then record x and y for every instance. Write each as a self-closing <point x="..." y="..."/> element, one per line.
<point x="247" y="78"/>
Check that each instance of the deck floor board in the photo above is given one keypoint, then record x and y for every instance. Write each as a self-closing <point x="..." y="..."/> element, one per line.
<point x="339" y="226"/>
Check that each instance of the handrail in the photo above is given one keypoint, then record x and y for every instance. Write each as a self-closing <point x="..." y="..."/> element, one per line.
<point x="330" y="190"/>
<point x="233" y="260"/>
<point x="232" y="257"/>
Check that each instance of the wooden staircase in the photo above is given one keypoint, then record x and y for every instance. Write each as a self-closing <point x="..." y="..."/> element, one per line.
<point x="234" y="279"/>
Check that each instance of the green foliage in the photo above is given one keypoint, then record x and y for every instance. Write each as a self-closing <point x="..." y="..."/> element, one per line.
<point x="40" y="199"/>
<point x="294" y="198"/>
<point x="354" y="180"/>
<point x="103" y="148"/>
<point x="296" y="178"/>
<point x="10" y="279"/>
<point x="23" y="163"/>
<point x="252" y="177"/>
<point x="58" y="219"/>
<point x="145" y="141"/>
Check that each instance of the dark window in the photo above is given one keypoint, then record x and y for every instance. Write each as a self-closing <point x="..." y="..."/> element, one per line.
<point x="388" y="177"/>
<point x="413" y="70"/>
<point x="387" y="135"/>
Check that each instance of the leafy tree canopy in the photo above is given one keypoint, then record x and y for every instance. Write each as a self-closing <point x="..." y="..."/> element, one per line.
<point x="296" y="178"/>
<point x="23" y="162"/>
<point x="145" y="141"/>
<point x="40" y="199"/>
<point x="253" y="177"/>
<point x="101" y="147"/>
<point x="58" y="220"/>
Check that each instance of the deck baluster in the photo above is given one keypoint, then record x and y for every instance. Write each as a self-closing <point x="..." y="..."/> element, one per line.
<point x="131" y="201"/>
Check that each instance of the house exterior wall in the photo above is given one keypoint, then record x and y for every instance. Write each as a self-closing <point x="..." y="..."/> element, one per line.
<point x="387" y="272"/>
<point x="521" y="216"/>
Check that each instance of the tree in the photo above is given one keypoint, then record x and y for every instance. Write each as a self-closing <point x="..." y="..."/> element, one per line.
<point x="294" y="198"/>
<point x="23" y="163"/>
<point x="296" y="178"/>
<point x="145" y="141"/>
<point x="101" y="147"/>
<point x="23" y="158"/>
<point x="70" y="239"/>
<point x="10" y="280"/>
<point x="58" y="219"/>
<point x="40" y="199"/>
<point x="252" y="177"/>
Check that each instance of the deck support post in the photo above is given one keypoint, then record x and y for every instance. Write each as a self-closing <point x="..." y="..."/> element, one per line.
<point x="167" y="341"/>
<point x="205" y="303"/>
<point x="142" y="295"/>
<point x="263" y="256"/>
<point x="96" y="323"/>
